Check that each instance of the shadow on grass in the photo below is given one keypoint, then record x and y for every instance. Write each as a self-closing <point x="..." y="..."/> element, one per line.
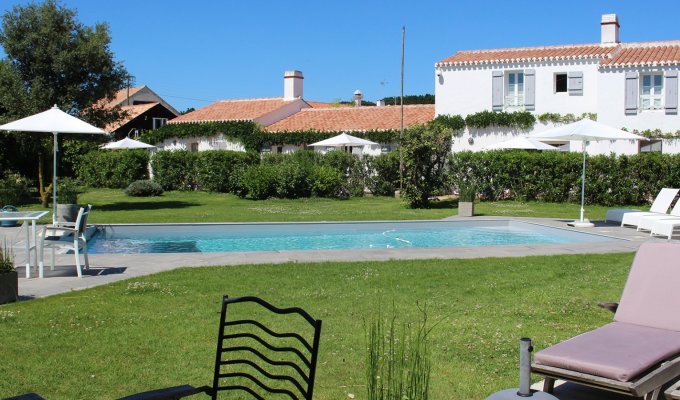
<point x="157" y="205"/>
<point x="442" y="204"/>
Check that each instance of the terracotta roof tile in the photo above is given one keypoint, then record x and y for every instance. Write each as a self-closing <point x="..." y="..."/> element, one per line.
<point x="644" y="54"/>
<point x="544" y="53"/>
<point x="354" y="118"/>
<point x="318" y="104"/>
<point x="232" y="110"/>
<point x="132" y="112"/>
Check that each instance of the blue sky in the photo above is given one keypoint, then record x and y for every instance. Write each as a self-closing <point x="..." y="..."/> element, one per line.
<point x="195" y="52"/>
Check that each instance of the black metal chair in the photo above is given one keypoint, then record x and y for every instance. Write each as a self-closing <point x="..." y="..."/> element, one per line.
<point x="251" y="357"/>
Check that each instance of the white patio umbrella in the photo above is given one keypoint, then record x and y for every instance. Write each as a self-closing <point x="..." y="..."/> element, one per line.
<point x="585" y="130"/>
<point x="127" y="143"/>
<point x="343" y="139"/>
<point x="53" y="121"/>
<point x="520" y="142"/>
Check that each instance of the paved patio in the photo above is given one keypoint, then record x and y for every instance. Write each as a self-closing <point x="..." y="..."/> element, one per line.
<point x="107" y="268"/>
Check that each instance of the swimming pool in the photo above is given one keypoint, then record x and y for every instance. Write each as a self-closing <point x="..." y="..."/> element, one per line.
<point x="207" y="238"/>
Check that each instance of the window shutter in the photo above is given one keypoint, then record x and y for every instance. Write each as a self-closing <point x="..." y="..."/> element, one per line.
<point x="631" y="99"/>
<point x="530" y="89"/>
<point x="671" y="100"/>
<point x="575" y="83"/>
<point x="497" y="90"/>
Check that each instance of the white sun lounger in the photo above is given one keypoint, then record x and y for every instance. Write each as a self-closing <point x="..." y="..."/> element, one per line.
<point x="659" y="207"/>
<point x="646" y="222"/>
<point x="665" y="227"/>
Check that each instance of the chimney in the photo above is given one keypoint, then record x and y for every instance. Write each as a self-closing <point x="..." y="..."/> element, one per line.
<point x="292" y="85"/>
<point x="357" y="98"/>
<point x="380" y="103"/>
<point x="609" y="29"/>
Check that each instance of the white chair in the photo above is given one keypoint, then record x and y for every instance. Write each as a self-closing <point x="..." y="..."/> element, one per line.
<point x="665" y="227"/>
<point x="660" y="206"/>
<point x="67" y="236"/>
<point x="646" y="222"/>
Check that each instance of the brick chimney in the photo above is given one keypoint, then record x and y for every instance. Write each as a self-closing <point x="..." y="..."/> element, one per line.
<point x="609" y="29"/>
<point x="357" y="98"/>
<point x="292" y="85"/>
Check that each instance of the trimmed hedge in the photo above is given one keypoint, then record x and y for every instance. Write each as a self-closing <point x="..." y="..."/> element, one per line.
<point x="144" y="189"/>
<point x="113" y="169"/>
<point x="556" y="177"/>
<point x="216" y="170"/>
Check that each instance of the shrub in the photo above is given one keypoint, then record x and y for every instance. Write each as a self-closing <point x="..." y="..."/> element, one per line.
<point x="14" y="190"/>
<point x="326" y="181"/>
<point x="293" y="180"/>
<point x="260" y="181"/>
<point x="145" y="188"/>
<point x="384" y="177"/>
<point x="67" y="191"/>
<point x="113" y="169"/>
<point x="215" y="169"/>
<point x="175" y="170"/>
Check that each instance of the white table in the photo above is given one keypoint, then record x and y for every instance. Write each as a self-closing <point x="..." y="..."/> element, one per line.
<point x="26" y="217"/>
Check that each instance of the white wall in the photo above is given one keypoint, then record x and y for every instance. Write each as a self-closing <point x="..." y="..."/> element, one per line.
<point x="611" y="108"/>
<point x="204" y="143"/>
<point x="467" y="89"/>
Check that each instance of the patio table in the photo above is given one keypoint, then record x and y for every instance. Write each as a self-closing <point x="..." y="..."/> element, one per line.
<point x="26" y="217"/>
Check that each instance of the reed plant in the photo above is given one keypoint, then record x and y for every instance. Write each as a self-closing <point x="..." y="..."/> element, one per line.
<point x="398" y="362"/>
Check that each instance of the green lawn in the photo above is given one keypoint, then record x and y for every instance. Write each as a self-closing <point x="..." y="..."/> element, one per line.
<point x="114" y="340"/>
<point x="113" y="206"/>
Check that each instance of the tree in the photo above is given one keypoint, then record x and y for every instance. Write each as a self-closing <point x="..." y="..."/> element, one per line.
<point x="53" y="59"/>
<point x="425" y="149"/>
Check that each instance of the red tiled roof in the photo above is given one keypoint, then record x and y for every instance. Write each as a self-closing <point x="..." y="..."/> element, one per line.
<point x="232" y="110"/>
<point x="622" y="54"/>
<point x="544" y="53"/>
<point x="132" y="112"/>
<point x="354" y="118"/>
<point x="318" y="104"/>
<point x="645" y="54"/>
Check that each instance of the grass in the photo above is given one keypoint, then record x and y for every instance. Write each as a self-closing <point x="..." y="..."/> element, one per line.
<point x="113" y="206"/>
<point x="160" y="330"/>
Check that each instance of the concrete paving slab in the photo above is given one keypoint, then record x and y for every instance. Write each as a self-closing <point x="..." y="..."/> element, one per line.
<point x="108" y="268"/>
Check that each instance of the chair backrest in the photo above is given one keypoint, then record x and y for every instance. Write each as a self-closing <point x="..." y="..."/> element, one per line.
<point x="663" y="200"/>
<point x="267" y="361"/>
<point x="81" y="220"/>
<point x="651" y="296"/>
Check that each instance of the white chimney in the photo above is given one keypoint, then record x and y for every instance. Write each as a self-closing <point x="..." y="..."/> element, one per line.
<point x="609" y="29"/>
<point x="380" y="103"/>
<point x="357" y="98"/>
<point x="292" y="85"/>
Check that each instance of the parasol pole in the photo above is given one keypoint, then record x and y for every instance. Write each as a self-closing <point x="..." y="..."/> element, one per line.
<point x="54" y="178"/>
<point x="583" y="181"/>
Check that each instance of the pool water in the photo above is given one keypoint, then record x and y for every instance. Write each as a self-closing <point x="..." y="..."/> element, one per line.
<point x="183" y="238"/>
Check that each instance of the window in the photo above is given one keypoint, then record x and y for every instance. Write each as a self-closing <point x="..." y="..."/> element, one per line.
<point x="651" y="92"/>
<point x="158" y="122"/>
<point x="194" y="147"/>
<point x="514" y="89"/>
<point x="650" y="146"/>
<point x="561" y="83"/>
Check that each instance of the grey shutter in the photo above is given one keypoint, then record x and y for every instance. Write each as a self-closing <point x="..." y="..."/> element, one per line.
<point x="631" y="99"/>
<point x="530" y="89"/>
<point x="575" y="83"/>
<point x="671" y="89"/>
<point x="497" y="90"/>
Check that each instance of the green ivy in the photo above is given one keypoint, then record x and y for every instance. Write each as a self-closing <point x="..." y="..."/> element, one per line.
<point x="558" y="118"/>
<point x="246" y="132"/>
<point x="656" y="133"/>
<point x="523" y="120"/>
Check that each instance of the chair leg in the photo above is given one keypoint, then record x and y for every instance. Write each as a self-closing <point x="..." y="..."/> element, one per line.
<point x="653" y="395"/>
<point x="53" y="259"/>
<point x="548" y="385"/>
<point x="87" y="260"/>
<point x="77" y="253"/>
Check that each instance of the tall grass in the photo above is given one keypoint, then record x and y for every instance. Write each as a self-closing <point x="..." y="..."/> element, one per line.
<point x="398" y="362"/>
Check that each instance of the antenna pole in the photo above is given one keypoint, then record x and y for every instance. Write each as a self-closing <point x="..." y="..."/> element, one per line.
<point x="401" y="127"/>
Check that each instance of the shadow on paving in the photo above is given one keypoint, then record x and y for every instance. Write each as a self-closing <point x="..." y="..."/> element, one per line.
<point x="61" y="271"/>
<point x="159" y="205"/>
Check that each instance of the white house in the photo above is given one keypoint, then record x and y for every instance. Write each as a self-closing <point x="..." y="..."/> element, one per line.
<point x="628" y="85"/>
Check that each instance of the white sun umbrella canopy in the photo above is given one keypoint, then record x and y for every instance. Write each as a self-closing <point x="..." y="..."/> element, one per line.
<point x="520" y="142"/>
<point x="343" y="140"/>
<point x="53" y="121"/>
<point x="127" y="143"/>
<point x="585" y="130"/>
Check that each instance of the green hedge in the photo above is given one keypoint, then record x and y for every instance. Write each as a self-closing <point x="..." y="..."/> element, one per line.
<point x="175" y="170"/>
<point x="556" y="177"/>
<point x="114" y="168"/>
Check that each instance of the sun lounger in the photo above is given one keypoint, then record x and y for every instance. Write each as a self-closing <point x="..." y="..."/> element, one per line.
<point x="665" y="227"/>
<point x="646" y="222"/>
<point x="661" y="204"/>
<point x="639" y="352"/>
